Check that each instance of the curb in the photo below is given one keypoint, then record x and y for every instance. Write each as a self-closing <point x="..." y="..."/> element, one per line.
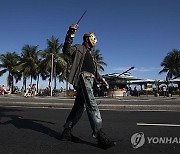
<point x="141" y="107"/>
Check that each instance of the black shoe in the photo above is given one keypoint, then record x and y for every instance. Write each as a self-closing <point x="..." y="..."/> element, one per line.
<point x="103" y="141"/>
<point x="66" y="135"/>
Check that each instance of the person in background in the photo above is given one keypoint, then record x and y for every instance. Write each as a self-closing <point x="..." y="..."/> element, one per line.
<point x="3" y="90"/>
<point x="171" y="88"/>
<point x="164" y="90"/>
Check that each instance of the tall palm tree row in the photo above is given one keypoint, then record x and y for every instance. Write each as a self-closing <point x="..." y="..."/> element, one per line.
<point x="33" y="63"/>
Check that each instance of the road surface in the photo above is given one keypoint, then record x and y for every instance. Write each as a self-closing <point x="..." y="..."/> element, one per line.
<point x="37" y="130"/>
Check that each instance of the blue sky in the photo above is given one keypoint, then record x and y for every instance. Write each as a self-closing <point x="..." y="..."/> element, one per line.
<point x="136" y="33"/>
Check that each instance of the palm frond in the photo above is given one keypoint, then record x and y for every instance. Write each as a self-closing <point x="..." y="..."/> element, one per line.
<point x="171" y="64"/>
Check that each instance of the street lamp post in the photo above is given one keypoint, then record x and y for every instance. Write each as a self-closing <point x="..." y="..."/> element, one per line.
<point x="52" y="61"/>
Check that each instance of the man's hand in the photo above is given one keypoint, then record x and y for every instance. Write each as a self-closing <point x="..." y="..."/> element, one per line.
<point x="72" y="30"/>
<point x="105" y="82"/>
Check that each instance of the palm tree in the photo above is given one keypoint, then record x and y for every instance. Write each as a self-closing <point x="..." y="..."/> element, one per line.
<point x="98" y="59"/>
<point x="53" y="49"/>
<point x="9" y="61"/>
<point x="66" y="63"/>
<point x="171" y="64"/>
<point x="38" y="71"/>
<point x="29" y="63"/>
<point x="45" y="65"/>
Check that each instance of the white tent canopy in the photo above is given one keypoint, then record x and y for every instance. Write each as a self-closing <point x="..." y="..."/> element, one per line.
<point x="120" y="76"/>
<point x="142" y="81"/>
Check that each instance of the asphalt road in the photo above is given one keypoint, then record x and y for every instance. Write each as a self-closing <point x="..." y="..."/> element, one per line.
<point x="37" y="130"/>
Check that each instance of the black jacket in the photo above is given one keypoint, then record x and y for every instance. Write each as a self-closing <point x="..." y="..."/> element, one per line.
<point x="77" y="52"/>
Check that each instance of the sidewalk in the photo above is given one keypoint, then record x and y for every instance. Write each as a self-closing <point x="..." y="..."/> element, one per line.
<point x="128" y="103"/>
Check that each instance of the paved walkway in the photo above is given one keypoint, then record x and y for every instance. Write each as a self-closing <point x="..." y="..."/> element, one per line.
<point x="130" y="103"/>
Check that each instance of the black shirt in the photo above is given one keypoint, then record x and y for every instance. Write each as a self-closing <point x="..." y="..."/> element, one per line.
<point x="88" y="64"/>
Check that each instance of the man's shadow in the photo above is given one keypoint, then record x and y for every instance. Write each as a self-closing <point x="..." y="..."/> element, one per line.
<point x="36" y="125"/>
<point x="21" y="123"/>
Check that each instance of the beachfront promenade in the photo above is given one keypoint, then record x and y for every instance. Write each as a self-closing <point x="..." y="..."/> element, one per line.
<point x="117" y="103"/>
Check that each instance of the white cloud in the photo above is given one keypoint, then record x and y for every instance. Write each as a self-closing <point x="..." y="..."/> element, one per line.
<point x="138" y="69"/>
<point x="120" y="69"/>
<point x="148" y="69"/>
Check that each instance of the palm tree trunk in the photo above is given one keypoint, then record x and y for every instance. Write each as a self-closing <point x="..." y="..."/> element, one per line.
<point x="31" y="80"/>
<point x="37" y="86"/>
<point x="55" y="83"/>
<point x="11" y="86"/>
<point x="66" y="93"/>
<point x="24" y="83"/>
<point x="49" y="82"/>
<point x="8" y="80"/>
<point x="12" y="83"/>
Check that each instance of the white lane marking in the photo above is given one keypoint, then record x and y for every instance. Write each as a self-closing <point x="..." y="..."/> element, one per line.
<point x="165" y="125"/>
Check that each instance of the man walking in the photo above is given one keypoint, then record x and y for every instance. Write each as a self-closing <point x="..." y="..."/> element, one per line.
<point x="82" y="76"/>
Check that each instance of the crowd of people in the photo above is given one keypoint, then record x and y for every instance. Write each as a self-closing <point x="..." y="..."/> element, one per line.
<point x="31" y="90"/>
<point x="100" y="91"/>
<point x="165" y="90"/>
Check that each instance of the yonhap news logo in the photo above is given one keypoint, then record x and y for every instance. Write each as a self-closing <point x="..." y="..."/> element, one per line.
<point x="139" y="139"/>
